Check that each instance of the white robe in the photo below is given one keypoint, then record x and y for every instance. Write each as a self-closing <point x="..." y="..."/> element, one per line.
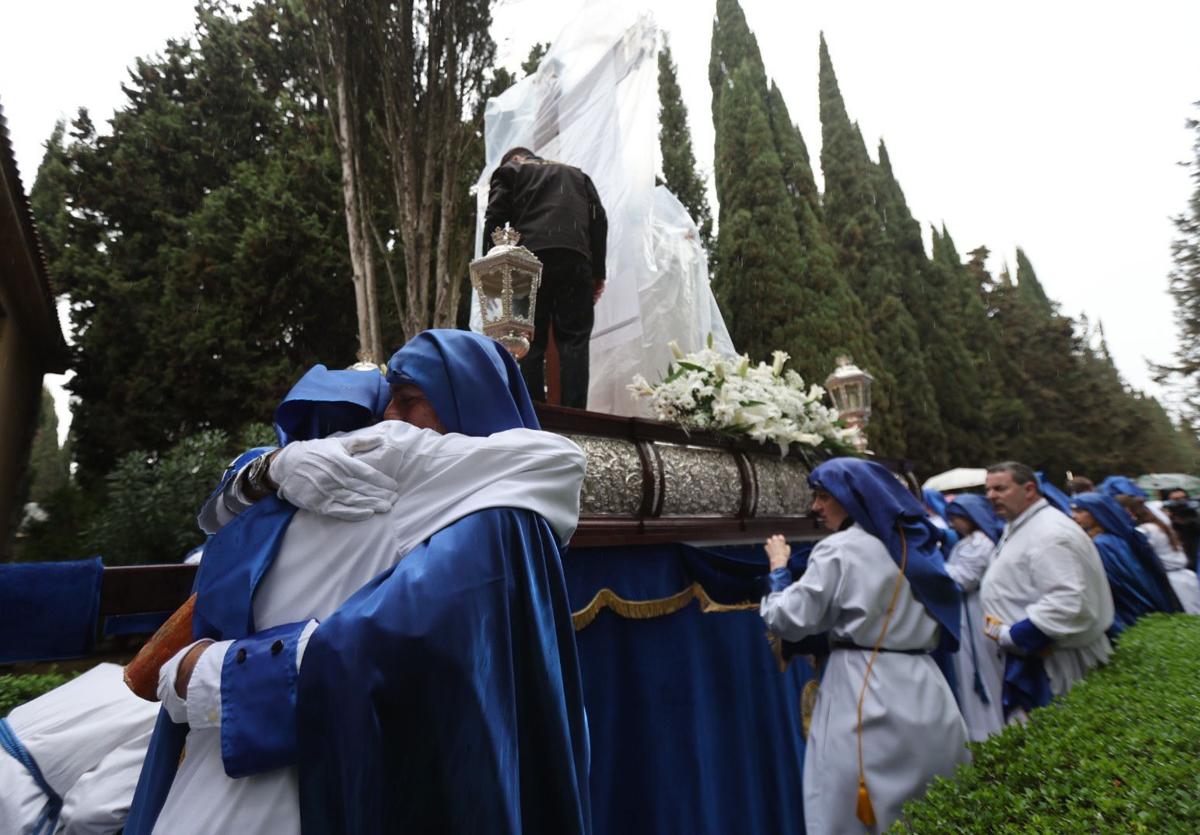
<point x="912" y="729"/>
<point x="1183" y="580"/>
<point x="88" y="737"/>
<point x="1046" y="569"/>
<point x="322" y="562"/>
<point x="968" y="563"/>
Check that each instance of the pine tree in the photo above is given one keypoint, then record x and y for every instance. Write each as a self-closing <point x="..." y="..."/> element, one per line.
<point x="775" y="277"/>
<point x="908" y="422"/>
<point x="675" y="140"/>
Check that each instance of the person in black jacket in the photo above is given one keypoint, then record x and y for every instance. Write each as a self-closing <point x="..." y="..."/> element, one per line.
<point x="556" y="209"/>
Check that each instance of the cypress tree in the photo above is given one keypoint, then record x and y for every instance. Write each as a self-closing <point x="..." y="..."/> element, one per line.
<point x="776" y="277"/>
<point x="1027" y="283"/>
<point x="675" y="140"/>
<point x="908" y="422"/>
<point x="930" y="296"/>
<point x="49" y="465"/>
<point x="534" y="59"/>
<point x="757" y="247"/>
<point x="967" y="314"/>
<point x="1185" y="287"/>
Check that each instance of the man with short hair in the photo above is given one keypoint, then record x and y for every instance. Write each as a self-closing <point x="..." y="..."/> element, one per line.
<point x="556" y="209"/>
<point x="1046" y="599"/>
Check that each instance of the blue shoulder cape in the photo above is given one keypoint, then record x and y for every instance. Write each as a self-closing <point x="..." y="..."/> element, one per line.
<point x="1134" y="589"/>
<point x="1135" y="573"/>
<point x="445" y="695"/>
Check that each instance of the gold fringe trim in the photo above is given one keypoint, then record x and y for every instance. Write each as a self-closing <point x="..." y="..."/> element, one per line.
<point x="645" y="609"/>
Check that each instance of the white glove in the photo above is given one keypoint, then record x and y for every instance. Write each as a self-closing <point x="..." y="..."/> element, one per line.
<point x="324" y="477"/>
<point x="1001" y="633"/>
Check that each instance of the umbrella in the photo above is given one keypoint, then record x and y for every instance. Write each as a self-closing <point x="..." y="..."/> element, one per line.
<point x="1169" y="481"/>
<point x="960" y="478"/>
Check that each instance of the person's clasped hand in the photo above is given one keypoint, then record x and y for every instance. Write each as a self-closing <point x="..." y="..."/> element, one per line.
<point x="1001" y="633"/>
<point x="778" y="551"/>
<point x="324" y="477"/>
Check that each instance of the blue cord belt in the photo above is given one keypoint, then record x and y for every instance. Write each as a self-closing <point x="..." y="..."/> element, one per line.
<point x="48" y="819"/>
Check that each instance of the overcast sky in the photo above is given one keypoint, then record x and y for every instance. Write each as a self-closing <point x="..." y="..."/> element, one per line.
<point x="1057" y="127"/>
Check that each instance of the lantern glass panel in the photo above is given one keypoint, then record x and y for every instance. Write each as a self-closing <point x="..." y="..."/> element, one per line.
<point x="522" y="282"/>
<point x="854" y="396"/>
<point x="493" y="308"/>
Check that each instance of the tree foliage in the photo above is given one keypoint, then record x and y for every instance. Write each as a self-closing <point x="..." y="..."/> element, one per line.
<point x="49" y="463"/>
<point x="908" y="423"/>
<point x="405" y="83"/>
<point x="776" y="278"/>
<point x="1185" y="288"/>
<point x="675" y="141"/>
<point x="199" y="238"/>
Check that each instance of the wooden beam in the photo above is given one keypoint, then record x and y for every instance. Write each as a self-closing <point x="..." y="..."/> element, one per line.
<point x="136" y="589"/>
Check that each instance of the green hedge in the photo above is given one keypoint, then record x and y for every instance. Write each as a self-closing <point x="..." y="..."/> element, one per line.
<point x="15" y="690"/>
<point x="1120" y="753"/>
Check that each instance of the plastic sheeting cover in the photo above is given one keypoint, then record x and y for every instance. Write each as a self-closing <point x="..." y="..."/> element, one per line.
<point x="593" y="103"/>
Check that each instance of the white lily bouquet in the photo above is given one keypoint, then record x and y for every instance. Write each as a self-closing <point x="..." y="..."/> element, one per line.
<point x="706" y="391"/>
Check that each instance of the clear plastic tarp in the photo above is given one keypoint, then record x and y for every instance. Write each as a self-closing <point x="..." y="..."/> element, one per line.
<point x="593" y="103"/>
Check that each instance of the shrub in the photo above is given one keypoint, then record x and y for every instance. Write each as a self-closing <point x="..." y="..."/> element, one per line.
<point x="145" y="511"/>
<point x="1119" y="753"/>
<point x="16" y="690"/>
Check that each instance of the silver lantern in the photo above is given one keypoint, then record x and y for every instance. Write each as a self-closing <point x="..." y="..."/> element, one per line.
<point x="850" y="388"/>
<point x="506" y="282"/>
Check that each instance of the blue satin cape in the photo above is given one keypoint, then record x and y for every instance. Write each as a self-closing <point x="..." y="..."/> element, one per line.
<point x="445" y="696"/>
<point x="1136" y="575"/>
<point x="1057" y="498"/>
<point x="1120" y="485"/>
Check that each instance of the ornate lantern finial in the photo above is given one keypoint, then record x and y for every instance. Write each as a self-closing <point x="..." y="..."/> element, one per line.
<point x="506" y="282"/>
<point x="850" y="388"/>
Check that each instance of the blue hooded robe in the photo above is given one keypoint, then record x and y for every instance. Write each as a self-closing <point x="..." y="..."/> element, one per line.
<point x="980" y="512"/>
<point x="874" y="499"/>
<point x="1138" y="580"/>
<point x="445" y="695"/>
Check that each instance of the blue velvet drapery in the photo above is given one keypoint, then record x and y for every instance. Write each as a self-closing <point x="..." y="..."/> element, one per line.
<point x="694" y="726"/>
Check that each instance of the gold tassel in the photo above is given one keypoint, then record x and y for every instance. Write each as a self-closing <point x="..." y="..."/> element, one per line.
<point x="865" y="811"/>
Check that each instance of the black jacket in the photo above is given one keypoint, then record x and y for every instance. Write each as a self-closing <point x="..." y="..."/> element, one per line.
<point x="552" y="205"/>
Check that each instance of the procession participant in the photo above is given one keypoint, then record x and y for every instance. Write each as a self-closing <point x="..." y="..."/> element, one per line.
<point x="1077" y="484"/>
<point x="1046" y="599"/>
<point x="558" y="212"/>
<point x="935" y="504"/>
<point x="1184" y="515"/>
<point x="1138" y="581"/>
<point x="979" y="662"/>
<point x="1058" y="500"/>
<point x="480" y="578"/>
<point x="885" y="722"/>
<point x="1169" y="549"/>
<point x="73" y="756"/>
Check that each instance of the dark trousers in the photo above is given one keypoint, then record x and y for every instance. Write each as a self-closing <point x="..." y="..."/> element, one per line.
<point x="564" y="300"/>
